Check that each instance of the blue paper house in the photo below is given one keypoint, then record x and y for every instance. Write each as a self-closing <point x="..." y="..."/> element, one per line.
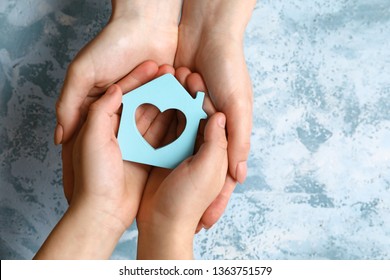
<point x="165" y="93"/>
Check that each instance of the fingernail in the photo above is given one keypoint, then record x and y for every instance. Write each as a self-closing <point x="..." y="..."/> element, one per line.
<point x="241" y="171"/>
<point x="222" y="121"/>
<point x="206" y="228"/>
<point x="58" y="134"/>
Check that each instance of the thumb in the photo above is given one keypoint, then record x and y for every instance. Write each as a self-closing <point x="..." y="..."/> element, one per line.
<point x="109" y="103"/>
<point x="210" y="162"/>
<point x="99" y="119"/>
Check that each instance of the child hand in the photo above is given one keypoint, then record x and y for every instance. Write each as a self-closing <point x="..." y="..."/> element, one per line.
<point x="106" y="191"/>
<point x="136" y="174"/>
<point x="174" y="201"/>
<point x="96" y="217"/>
<point x="140" y="75"/>
<point x="100" y="181"/>
<point x="100" y="174"/>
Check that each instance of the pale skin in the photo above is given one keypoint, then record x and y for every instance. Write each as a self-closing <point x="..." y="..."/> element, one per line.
<point x="208" y="40"/>
<point x="106" y="199"/>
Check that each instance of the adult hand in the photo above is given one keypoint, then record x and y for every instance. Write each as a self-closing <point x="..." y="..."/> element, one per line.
<point x="211" y="43"/>
<point x="136" y="32"/>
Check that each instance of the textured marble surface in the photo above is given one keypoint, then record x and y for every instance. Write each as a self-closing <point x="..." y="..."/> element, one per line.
<point x="319" y="168"/>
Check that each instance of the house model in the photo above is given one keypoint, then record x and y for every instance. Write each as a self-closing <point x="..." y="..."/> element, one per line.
<point x="165" y="93"/>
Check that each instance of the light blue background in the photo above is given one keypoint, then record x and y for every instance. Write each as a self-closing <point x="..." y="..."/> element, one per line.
<point x="319" y="170"/>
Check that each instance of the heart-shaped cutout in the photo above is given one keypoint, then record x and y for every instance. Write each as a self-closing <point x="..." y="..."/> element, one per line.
<point x="158" y="128"/>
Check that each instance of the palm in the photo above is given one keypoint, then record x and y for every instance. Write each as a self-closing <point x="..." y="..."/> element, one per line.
<point x="123" y="45"/>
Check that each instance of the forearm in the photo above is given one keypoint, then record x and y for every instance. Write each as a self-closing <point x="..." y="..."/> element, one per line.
<point x="81" y="234"/>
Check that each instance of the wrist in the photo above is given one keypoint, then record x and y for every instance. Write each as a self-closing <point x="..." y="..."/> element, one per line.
<point x="227" y="18"/>
<point x="81" y="234"/>
<point x="160" y="12"/>
<point x="96" y="233"/>
<point x="99" y="216"/>
<point x="164" y="241"/>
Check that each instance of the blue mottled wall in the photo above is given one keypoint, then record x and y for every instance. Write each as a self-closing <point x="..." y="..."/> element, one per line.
<point x="319" y="169"/>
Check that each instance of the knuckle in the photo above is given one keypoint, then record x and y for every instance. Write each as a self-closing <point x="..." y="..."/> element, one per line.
<point x="59" y="107"/>
<point x="245" y="146"/>
<point x="80" y="69"/>
<point x="75" y="67"/>
<point x="222" y="143"/>
<point x="243" y="105"/>
<point x="238" y="100"/>
<point x="95" y="106"/>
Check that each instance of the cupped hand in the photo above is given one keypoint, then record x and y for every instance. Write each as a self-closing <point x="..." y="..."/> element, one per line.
<point x="106" y="190"/>
<point x="211" y="43"/>
<point x="173" y="202"/>
<point x="116" y="51"/>
<point x="135" y="33"/>
<point x="100" y="174"/>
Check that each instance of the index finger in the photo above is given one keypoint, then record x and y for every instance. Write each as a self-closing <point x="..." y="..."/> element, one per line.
<point x="68" y="107"/>
<point x="238" y="113"/>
